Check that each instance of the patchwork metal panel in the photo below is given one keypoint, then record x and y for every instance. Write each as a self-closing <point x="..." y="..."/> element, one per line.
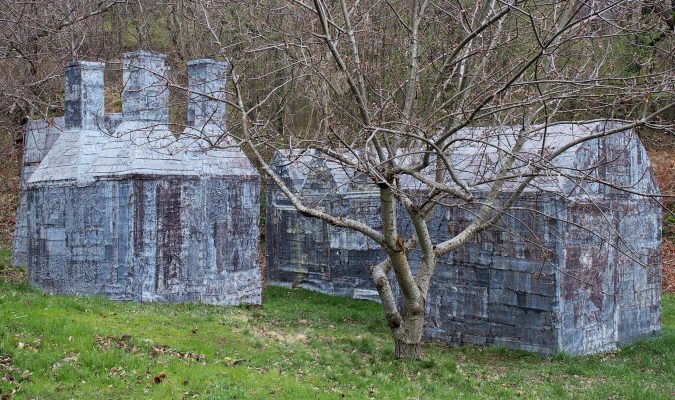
<point x="498" y="289"/>
<point x="310" y="253"/>
<point x="39" y="137"/>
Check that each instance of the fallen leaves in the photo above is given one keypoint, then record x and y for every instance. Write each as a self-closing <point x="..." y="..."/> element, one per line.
<point x="232" y="362"/>
<point x="70" y="359"/>
<point x="33" y="346"/>
<point x="9" y="395"/>
<point x="165" y="350"/>
<point x="5" y="361"/>
<point x="117" y="372"/>
<point x="266" y="333"/>
<point x="122" y="342"/>
<point x="9" y="373"/>
<point x="13" y="275"/>
<point x="302" y="338"/>
<point x="271" y="334"/>
<point x="160" y="377"/>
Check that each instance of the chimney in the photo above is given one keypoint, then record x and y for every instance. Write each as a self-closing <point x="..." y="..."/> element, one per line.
<point x="84" y="93"/>
<point x="206" y="80"/>
<point x="145" y="92"/>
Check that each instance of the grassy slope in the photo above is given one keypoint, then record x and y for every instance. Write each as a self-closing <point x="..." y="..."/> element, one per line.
<point x="299" y="345"/>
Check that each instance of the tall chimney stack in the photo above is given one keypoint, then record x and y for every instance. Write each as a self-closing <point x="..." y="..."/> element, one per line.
<point x="84" y="94"/>
<point x="207" y="82"/>
<point x="145" y="92"/>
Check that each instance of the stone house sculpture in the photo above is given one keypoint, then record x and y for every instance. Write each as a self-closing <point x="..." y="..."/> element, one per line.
<point x="574" y="267"/>
<point x="119" y="207"/>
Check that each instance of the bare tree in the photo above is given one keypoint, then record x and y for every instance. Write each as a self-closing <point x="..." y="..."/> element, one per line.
<point x="388" y="88"/>
<point x="36" y="40"/>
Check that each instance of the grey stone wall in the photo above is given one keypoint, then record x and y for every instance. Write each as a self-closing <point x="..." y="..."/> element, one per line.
<point x="39" y="137"/>
<point x="121" y="208"/>
<point x="573" y="267"/>
<point x="610" y="274"/>
<point x="151" y="239"/>
<point x="145" y="93"/>
<point x="207" y="82"/>
<point x="309" y="253"/>
<point x="83" y="94"/>
<point x="499" y="289"/>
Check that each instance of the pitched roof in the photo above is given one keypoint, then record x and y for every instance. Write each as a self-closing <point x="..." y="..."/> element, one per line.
<point x="477" y="153"/>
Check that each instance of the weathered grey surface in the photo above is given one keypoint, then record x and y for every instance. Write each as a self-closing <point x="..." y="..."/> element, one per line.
<point x="153" y="239"/>
<point x="309" y="253"/>
<point x="574" y="267"/>
<point x="39" y="137"/>
<point x="144" y="87"/>
<point x="84" y="94"/>
<point x="207" y="83"/>
<point x="120" y="208"/>
<point x="500" y="288"/>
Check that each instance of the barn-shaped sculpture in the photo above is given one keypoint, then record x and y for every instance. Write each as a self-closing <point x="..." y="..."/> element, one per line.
<point x="120" y="208"/>
<point x="574" y="266"/>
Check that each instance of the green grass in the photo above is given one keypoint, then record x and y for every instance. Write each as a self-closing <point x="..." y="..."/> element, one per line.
<point x="299" y="345"/>
<point x="5" y="257"/>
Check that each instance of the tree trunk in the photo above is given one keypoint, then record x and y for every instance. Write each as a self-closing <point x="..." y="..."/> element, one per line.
<point x="409" y="345"/>
<point x="406" y="350"/>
